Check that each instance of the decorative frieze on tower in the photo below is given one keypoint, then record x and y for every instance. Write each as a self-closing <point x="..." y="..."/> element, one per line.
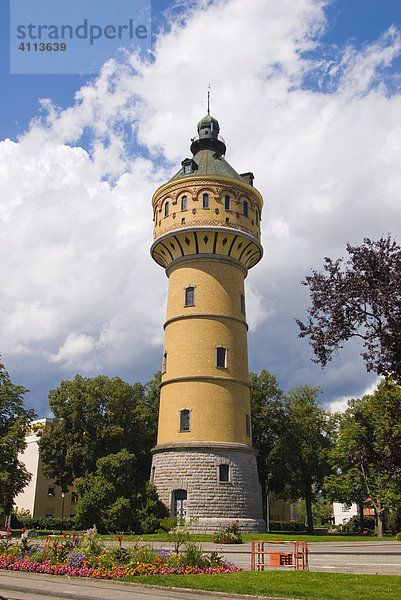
<point x="207" y="236"/>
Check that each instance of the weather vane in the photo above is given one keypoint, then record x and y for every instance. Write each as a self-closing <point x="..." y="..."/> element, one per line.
<point x="208" y="100"/>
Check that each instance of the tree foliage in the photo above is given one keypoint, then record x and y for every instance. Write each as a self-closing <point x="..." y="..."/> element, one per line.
<point x="299" y="460"/>
<point x="94" y="418"/>
<point x="358" y="298"/>
<point x="367" y="453"/>
<point x="115" y="497"/>
<point x="292" y="434"/>
<point x="14" y="421"/>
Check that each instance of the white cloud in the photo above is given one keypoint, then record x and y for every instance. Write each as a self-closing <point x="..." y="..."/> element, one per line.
<point x="75" y="226"/>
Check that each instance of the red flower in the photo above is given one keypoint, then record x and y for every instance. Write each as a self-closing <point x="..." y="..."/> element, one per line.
<point x="8" y="528"/>
<point x="23" y="529"/>
<point x="119" y="538"/>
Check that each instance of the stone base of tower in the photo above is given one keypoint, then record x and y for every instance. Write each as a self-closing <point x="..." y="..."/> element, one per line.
<point x="188" y="480"/>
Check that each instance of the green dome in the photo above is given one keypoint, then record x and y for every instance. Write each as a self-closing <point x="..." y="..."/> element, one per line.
<point x="209" y="122"/>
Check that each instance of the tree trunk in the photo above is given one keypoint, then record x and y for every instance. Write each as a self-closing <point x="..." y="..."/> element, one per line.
<point x="309" y="516"/>
<point x="361" y="519"/>
<point x="380" y="521"/>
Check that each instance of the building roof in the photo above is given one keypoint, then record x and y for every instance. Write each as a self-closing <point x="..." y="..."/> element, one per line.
<point x="209" y="163"/>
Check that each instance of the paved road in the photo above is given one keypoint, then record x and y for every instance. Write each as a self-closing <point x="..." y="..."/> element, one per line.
<point x="352" y="557"/>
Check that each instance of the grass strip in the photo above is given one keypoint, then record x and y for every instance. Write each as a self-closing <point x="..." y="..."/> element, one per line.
<point x="287" y="584"/>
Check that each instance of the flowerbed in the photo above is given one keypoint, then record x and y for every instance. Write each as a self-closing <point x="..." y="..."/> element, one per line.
<point x="87" y="557"/>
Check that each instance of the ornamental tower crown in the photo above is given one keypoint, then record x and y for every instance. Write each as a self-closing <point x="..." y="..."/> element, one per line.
<point x="207" y="207"/>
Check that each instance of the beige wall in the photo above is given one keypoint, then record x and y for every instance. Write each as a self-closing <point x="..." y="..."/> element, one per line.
<point x="35" y="496"/>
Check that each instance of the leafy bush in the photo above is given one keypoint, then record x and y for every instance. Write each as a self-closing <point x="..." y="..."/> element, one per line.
<point x="398" y="537"/>
<point x="286" y="526"/>
<point x="47" y="523"/>
<point x="354" y="525"/>
<point x="228" y="534"/>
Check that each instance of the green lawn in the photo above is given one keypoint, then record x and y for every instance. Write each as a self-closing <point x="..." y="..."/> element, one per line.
<point x="288" y="584"/>
<point x="163" y="537"/>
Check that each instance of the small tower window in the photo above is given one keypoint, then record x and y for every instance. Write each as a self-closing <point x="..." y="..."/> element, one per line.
<point x="245" y="208"/>
<point x="184" y="203"/>
<point x="224" y="473"/>
<point x="164" y="365"/>
<point x="227" y="202"/>
<point x="190" y="296"/>
<point x="185" y="419"/>
<point x="248" y="425"/>
<point x="205" y="200"/>
<point x="242" y="301"/>
<point x="221" y="357"/>
<point x="51" y="492"/>
<point x="166" y="209"/>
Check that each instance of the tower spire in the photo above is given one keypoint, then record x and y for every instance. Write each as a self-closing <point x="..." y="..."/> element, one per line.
<point x="208" y="100"/>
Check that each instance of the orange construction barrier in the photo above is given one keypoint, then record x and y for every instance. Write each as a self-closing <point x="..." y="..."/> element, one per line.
<point x="295" y="557"/>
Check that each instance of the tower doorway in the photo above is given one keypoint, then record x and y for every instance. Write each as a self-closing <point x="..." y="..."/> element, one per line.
<point x="180" y="503"/>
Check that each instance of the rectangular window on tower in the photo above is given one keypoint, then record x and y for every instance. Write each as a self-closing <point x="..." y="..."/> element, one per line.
<point x="205" y="203"/>
<point x="224" y="473"/>
<point x="184" y="203"/>
<point x="221" y="357"/>
<point x="164" y="365"/>
<point x="227" y="202"/>
<point x="166" y="209"/>
<point x="242" y="302"/>
<point x="185" y="419"/>
<point x="245" y="208"/>
<point x="190" y="296"/>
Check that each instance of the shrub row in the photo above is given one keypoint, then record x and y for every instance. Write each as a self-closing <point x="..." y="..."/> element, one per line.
<point x="286" y="526"/>
<point x="47" y="523"/>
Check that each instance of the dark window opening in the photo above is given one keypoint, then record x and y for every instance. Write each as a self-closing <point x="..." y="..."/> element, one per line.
<point x="227" y="202"/>
<point x="205" y="200"/>
<point x="190" y="296"/>
<point x="242" y="303"/>
<point x="164" y="366"/>
<point x="184" y="203"/>
<point x="51" y="492"/>
<point x="248" y="425"/>
<point x="245" y="208"/>
<point x="185" y="418"/>
<point x="224" y="473"/>
<point x="166" y="209"/>
<point x="221" y="355"/>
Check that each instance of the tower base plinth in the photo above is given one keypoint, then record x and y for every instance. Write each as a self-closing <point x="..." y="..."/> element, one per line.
<point x="192" y="483"/>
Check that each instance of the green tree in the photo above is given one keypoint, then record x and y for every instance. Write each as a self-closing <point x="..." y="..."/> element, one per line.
<point x="94" y="418"/>
<point x="299" y="459"/>
<point x="267" y="420"/>
<point x="359" y="298"/>
<point x="111" y="498"/>
<point x="368" y="447"/>
<point x="14" y="421"/>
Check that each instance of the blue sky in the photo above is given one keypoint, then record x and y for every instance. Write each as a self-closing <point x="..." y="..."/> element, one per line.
<point x="318" y="87"/>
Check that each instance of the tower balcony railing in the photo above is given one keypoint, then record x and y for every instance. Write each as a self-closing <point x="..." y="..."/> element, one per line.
<point x="218" y="137"/>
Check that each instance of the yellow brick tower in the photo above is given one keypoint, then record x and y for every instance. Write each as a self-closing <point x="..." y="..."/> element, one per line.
<point x="207" y="236"/>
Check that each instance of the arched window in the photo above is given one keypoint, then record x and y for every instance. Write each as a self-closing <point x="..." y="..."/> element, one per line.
<point x="184" y="203"/>
<point x="166" y="209"/>
<point x="245" y="208"/>
<point x="185" y="419"/>
<point x="205" y="201"/>
<point x="190" y="296"/>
